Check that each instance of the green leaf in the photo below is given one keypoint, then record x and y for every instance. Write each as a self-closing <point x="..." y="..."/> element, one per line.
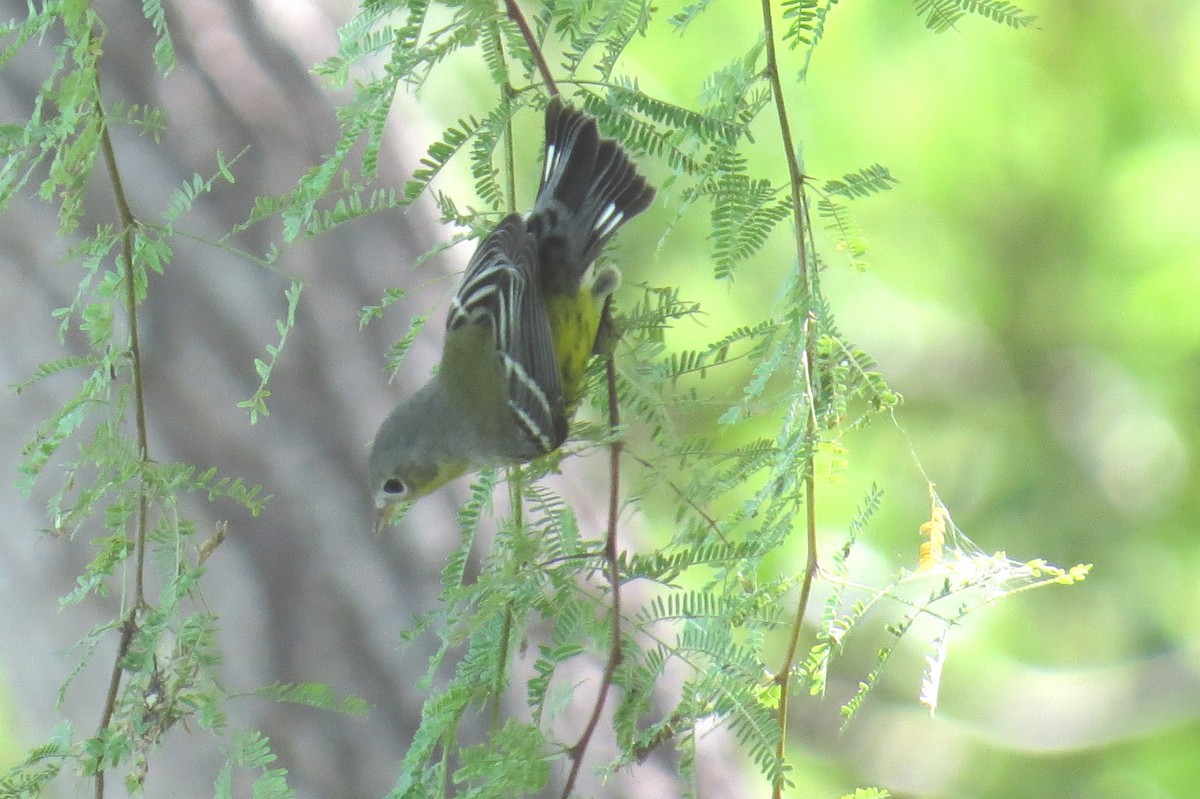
<point x="316" y="695"/>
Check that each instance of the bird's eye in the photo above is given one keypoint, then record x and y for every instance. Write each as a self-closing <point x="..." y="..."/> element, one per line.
<point x="394" y="487"/>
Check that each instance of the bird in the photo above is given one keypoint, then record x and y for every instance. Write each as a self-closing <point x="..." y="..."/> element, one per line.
<point x="522" y="325"/>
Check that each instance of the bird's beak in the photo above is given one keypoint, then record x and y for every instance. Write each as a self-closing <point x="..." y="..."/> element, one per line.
<point x="390" y="513"/>
<point x="382" y="515"/>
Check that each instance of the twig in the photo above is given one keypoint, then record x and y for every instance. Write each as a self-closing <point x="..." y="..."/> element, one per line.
<point x="796" y="178"/>
<point x="129" y="625"/>
<point x="687" y="500"/>
<point x="614" y="577"/>
<point x="517" y="475"/>
<point x="506" y="95"/>
<point x="514" y="13"/>
<point x="610" y="544"/>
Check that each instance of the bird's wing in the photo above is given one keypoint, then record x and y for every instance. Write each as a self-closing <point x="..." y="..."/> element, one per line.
<point x="500" y="290"/>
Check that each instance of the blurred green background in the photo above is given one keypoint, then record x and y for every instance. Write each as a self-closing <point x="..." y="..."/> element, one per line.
<point x="1034" y="293"/>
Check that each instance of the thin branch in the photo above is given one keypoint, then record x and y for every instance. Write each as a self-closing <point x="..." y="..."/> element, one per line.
<point x="684" y="497"/>
<point x="128" y="225"/>
<point x="614" y="576"/>
<point x="795" y="175"/>
<point x="501" y="668"/>
<point x="796" y="178"/>
<point x="128" y="628"/>
<point x="614" y="420"/>
<point x="783" y="676"/>
<point x="514" y="13"/>
<point x="506" y="95"/>
<point x="517" y="475"/>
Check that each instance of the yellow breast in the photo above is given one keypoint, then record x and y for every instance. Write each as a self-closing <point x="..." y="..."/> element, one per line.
<point x="574" y="322"/>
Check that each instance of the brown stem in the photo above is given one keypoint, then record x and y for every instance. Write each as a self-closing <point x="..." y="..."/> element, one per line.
<point x="685" y="499"/>
<point x="128" y="628"/>
<point x="128" y="225"/>
<point x="614" y="578"/>
<point x="514" y="13"/>
<point x="796" y="180"/>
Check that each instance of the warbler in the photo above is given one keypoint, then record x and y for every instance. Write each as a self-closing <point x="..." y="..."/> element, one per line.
<point x="522" y="325"/>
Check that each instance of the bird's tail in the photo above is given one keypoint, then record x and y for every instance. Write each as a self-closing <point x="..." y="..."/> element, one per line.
<point x="589" y="189"/>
